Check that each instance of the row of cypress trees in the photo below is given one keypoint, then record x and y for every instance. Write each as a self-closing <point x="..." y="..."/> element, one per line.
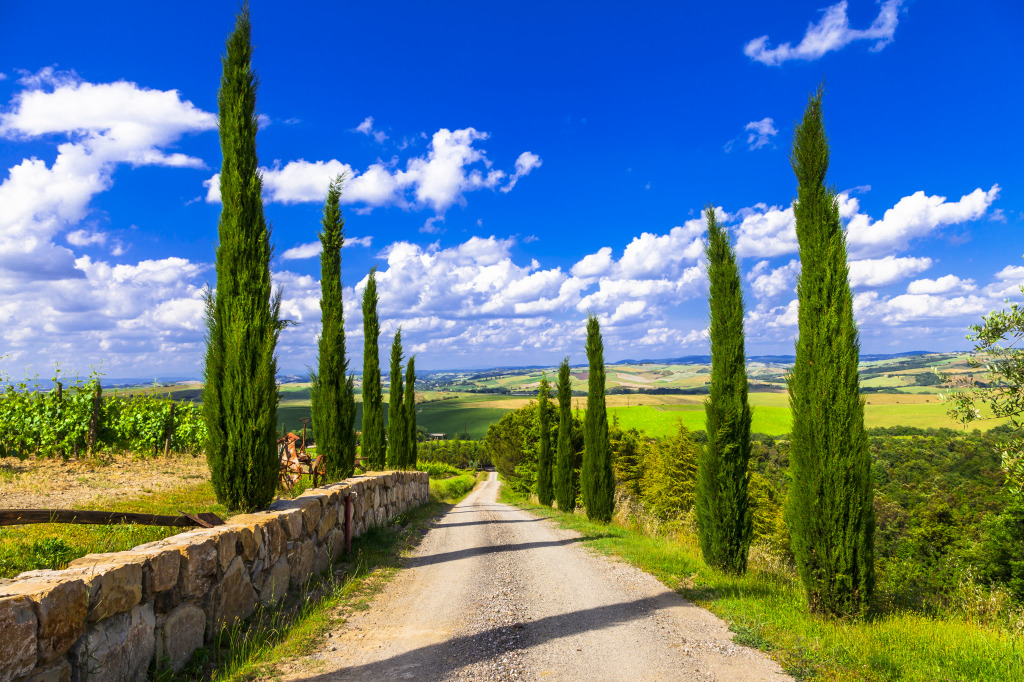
<point x="243" y="323"/>
<point x="829" y="508"/>
<point x="555" y="479"/>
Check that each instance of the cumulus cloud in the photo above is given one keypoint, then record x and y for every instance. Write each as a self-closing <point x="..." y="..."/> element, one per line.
<point x="942" y="285"/>
<point x="102" y="126"/>
<point x="769" y="285"/>
<point x="438" y="180"/>
<point x="832" y="32"/>
<point x="912" y="217"/>
<point x="880" y="272"/>
<point x="761" y="133"/>
<point x="766" y="232"/>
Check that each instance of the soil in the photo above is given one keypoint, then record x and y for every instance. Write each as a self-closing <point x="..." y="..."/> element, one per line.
<point x="495" y="593"/>
<point x="49" y="483"/>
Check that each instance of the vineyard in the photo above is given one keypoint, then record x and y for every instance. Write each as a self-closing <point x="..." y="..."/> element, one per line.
<point x="75" y="418"/>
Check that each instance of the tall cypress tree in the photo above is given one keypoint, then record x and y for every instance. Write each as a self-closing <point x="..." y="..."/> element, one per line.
<point x="545" y="489"/>
<point x="565" y="491"/>
<point x="331" y="406"/>
<point x="373" y="439"/>
<point x="724" y="517"/>
<point x="410" y="413"/>
<point x="597" y="478"/>
<point x="829" y="507"/>
<point x="243" y="317"/>
<point x="398" y="434"/>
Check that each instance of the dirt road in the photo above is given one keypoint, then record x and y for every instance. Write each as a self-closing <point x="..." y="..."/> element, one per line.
<point x="494" y="593"/>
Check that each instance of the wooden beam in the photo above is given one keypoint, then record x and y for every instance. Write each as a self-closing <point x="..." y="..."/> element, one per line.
<point x="17" y="517"/>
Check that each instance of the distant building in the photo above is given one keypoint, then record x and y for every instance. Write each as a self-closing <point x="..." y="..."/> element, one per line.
<point x="437" y="436"/>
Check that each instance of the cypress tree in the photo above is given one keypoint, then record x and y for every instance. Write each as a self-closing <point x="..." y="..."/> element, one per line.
<point x="243" y="317"/>
<point x="597" y="477"/>
<point x="829" y="507"/>
<point x="410" y="413"/>
<point x="398" y="434"/>
<point x="724" y="517"/>
<point x="565" y="491"/>
<point x="545" y="491"/>
<point x="331" y="405"/>
<point x="374" y="443"/>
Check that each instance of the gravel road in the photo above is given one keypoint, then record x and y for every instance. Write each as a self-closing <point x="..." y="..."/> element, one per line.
<point x="495" y="593"/>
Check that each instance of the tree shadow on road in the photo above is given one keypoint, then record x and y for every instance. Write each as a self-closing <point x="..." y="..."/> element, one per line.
<point x="436" y="661"/>
<point x="429" y="559"/>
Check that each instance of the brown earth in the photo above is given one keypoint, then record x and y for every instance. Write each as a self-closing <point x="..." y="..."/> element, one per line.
<point x="49" y="483"/>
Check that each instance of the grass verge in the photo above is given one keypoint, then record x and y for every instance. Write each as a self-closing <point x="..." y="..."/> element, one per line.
<point x="272" y="638"/>
<point x="53" y="545"/>
<point x="767" y="609"/>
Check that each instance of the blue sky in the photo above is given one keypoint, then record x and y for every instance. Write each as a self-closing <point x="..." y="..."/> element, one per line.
<point x="511" y="166"/>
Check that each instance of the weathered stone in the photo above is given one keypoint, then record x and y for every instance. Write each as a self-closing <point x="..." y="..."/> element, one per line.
<point x="60" y="606"/>
<point x="18" y="646"/>
<point x="274" y="584"/>
<point x="179" y="634"/>
<point x="233" y="598"/>
<point x="290" y="519"/>
<point x="227" y="550"/>
<point x="114" y="582"/>
<point x="198" y="569"/>
<point x="321" y="561"/>
<point x="300" y="559"/>
<point x="335" y="543"/>
<point x="160" y="571"/>
<point x="58" y="672"/>
<point x="327" y="521"/>
<point x="118" y="648"/>
<point x="250" y="534"/>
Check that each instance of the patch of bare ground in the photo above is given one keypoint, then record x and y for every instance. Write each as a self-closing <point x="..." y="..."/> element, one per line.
<point x="50" y="483"/>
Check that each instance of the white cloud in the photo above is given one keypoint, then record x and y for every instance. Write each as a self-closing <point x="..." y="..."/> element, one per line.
<point x="85" y="238"/>
<point x="761" y="133"/>
<point x="3" y="76"/>
<point x="831" y="33"/>
<point x="366" y="128"/>
<point x="526" y="162"/>
<point x="651" y="256"/>
<point x="595" y="264"/>
<point x="880" y="272"/>
<point x="312" y="249"/>
<point x="912" y="217"/>
<point x="942" y="285"/>
<point x="766" y="232"/>
<point x="769" y="285"/>
<point x="102" y="126"/>
<point x="437" y="180"/>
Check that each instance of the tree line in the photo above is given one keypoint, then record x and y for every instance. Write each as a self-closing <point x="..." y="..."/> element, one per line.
<point x="243" y="324"/>
<point x="829" y="509"/>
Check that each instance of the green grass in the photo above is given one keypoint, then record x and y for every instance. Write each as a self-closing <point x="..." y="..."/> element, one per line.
<point x="766" y="608"/>
<point x="660" y="421"/>
<point x="53" y="545"/>
<point x="451" y="417"/>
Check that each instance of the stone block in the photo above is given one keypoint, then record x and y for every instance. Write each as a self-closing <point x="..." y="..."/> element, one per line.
<point x="300" y="561"/>
<point x="233" y="598"/>
<point x="198" y="569"/>
<point x="321" y="561"/>
<point x="178" y="635"/>
<point x="160" y="568"/>
<point x="274" y="583"/>
<point x="60" y="606"/>
<point x="290" y="518"/>
<point x="18" y="645"/>
<point x="118" y="648"/>
<point x="227" y="546"/>
<point x="58" y="672"/>
<point x="327" y="521"/>
<point x="114" y="582"/>
<point x="249" y="528"/>
<point x="335" y="543"/>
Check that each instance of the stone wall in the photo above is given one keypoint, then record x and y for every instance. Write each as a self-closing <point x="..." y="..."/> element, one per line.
<point x="108" y="616"/>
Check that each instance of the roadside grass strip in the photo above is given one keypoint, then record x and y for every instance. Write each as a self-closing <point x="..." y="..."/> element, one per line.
<point x="53" y="545"/>
<point x="259" y="647"/>
<point x="767" y="609"/>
